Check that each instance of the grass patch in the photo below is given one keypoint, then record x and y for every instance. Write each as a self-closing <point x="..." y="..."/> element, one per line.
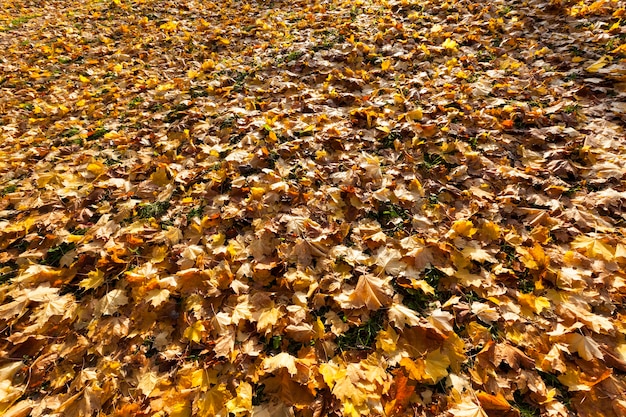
<point x="362" y="337"/>
<point x="291" y="56"/>
<point x="525" y="409"/>
<point x="572" y="108"/>
<point x="19" y="21"/>
<point x="54" y="255"/>
<point x="391" y="217"/>
<point x="432" y="160"/>
<point x="97" y="134"/>
<point x="68" y="133"/>
<point x="150" y="210"/>
<point x="135" y="102"/>
<point x="198" y="91"/>
<point x="8" y="271"/>
<point x="8" y="189"/>
<point x="239" y="78"/>
<point x="388" y="141"/>
<point x="229" y="122"/>
<point x="195" y="212"/>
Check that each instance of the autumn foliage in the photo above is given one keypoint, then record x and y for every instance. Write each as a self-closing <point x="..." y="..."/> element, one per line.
<point x="312" y="208"/>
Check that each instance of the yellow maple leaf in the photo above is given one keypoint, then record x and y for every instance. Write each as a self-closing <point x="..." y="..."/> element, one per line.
<point x="493" y="402"/>
<point x="181" y="409"/>
<point x="169" y="26"/>
<point x="401" y="315"/>
<point x="157" y="297"/>
<point x="242" y="403"/>
<point x="332" y="372"/>
<point x="214" y="400"/>
<point x="414" y="115"/>
<point x="593" y="247"/>
<point x="161" y="176"/>
<point x="208" y="65"/>
<point x="420" y="284"/>
<point x="467" y="408"/>
<point x="533" y="258"/>
<point x="414" y="368"/>
<point x="464" y="228"/>
<point x="282" y="360"/>
<point x="9" y="392"/>
<point x="387" y="340"/>
<point x="450" y="45"/>
<point x="490" y="231"/>
<point x="194" y="332"/>
<point x="94" y="280"/>
<point x="599" y="64"/>
<point x="436" y="365"/>
<point x="536" y="304"/>
<point x="574" y="380"/>
<point x="147" y="382"/>
<point x="112" y="301"/>
<point x="257" y="192"/>
<point x="96" y="168"/>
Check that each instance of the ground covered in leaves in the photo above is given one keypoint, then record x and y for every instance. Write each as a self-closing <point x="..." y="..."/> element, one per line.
<point x="312" y="208"/>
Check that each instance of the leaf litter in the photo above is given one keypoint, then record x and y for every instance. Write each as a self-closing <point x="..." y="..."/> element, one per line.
<point x="312" y="208"/>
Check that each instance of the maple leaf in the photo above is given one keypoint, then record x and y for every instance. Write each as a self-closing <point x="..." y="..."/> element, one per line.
<point x="436" y="365"/>
<point x="450" y="44"/>
<point x="402" y="315"/>
<point x="370" y="291"/>
<point x="493" y="402"/>
<point x="157" y="297"/>
<point x="213" y="401"/>
<point x="94" y="280"/>
<point x="389" y="260"/>
<point x="402" y="392"/>
<point x="464" y="228"/>
<point x="485" y="312"/>
<point x="194" y="332"/>
<point x="593" y="247"/>
<point x="585" y="346"/>
<point x="282" y="360"/>
<point x="147" y="382"/>
<point x="474" y="252"/>
<point x="112" y="301"/>
<point x="431" y="369"/>
<point x="8" y="391"/>
<point x="268" y="196"/>
<point x="242" y="402"/>
<point x="534" y="303"/>
<point x="467" y="408"/>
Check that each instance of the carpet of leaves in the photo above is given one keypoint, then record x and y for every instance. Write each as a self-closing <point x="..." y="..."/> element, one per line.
<point x="312" y="208"/>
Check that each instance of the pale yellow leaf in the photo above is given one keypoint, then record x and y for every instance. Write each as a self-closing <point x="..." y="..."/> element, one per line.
<point x="585" y="346"/>
<point x="599" y="64"/>
<point x="147" y="382"/>
<point x="467" y="408"/>
<point x="112" y="301"/>
<point x="282" y="360"/>
<point x="194" y="332"/>
<point x="94" y="280"/>
<point x="436" y="365"/>
<point x="402" y="315"/>
<point x="157" y="297"/>
<point x="242" y="403"/>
